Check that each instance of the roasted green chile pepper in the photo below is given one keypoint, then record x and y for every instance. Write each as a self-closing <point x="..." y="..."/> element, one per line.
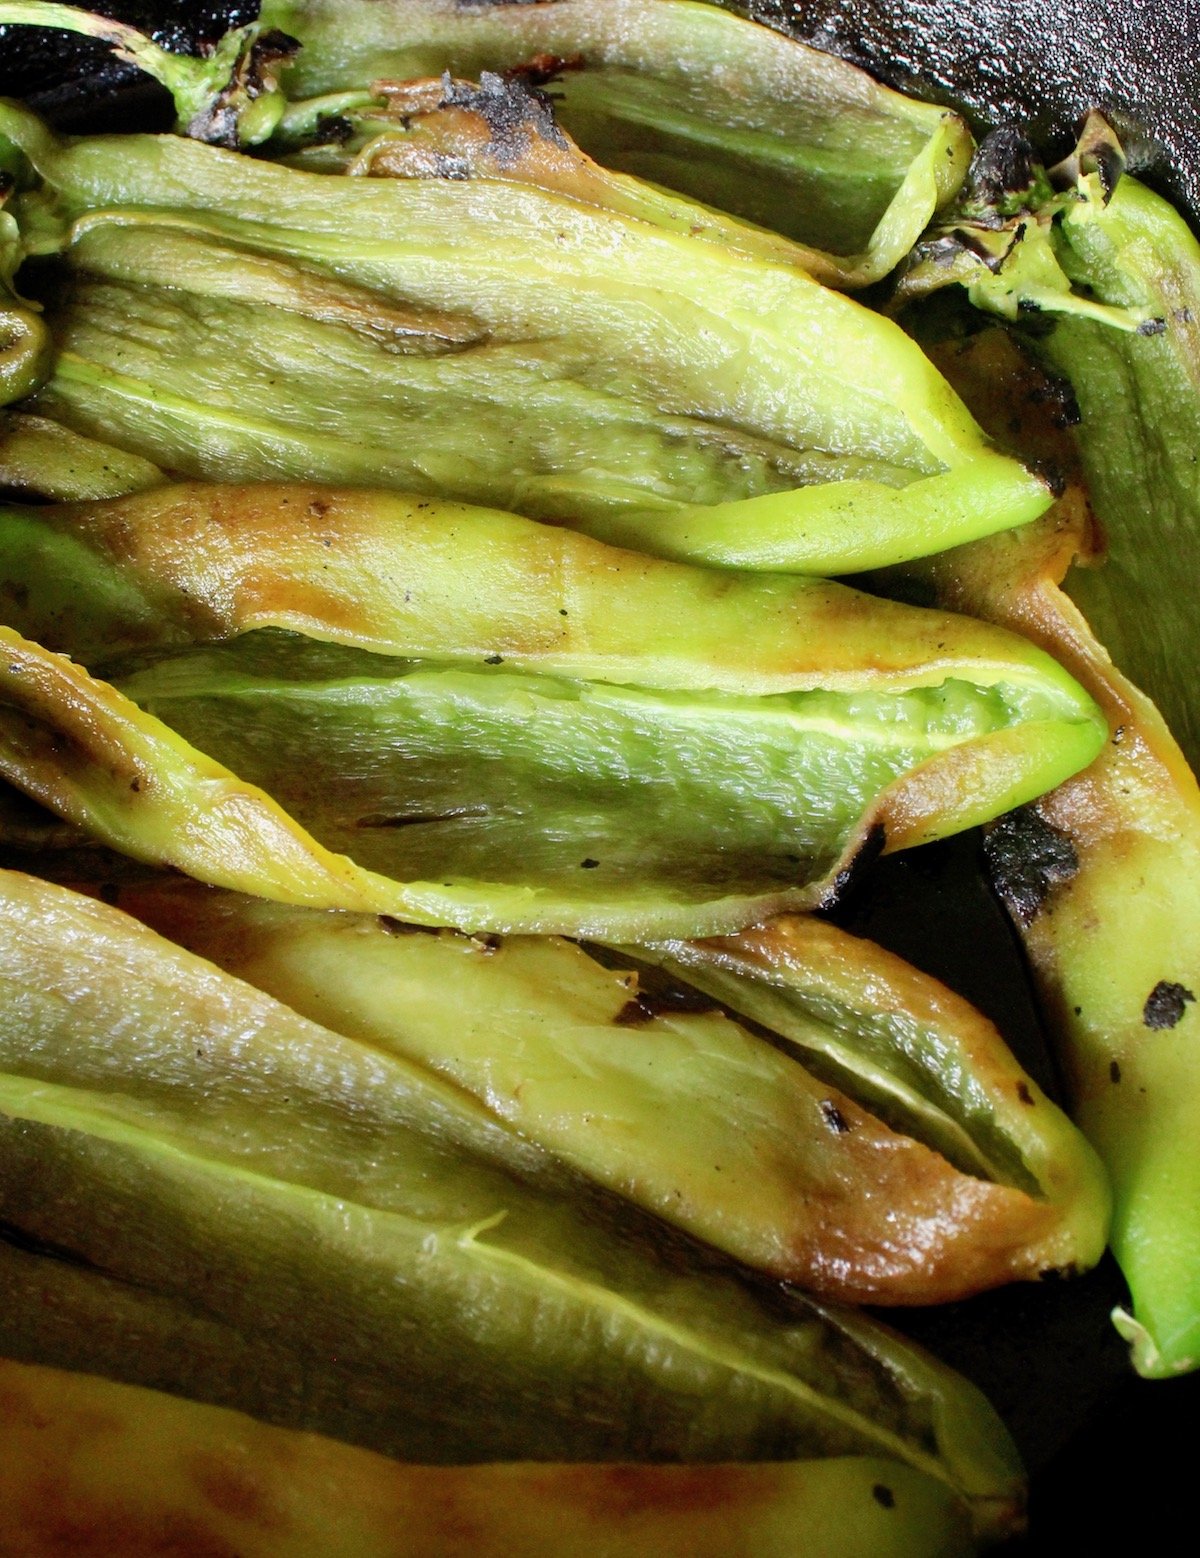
<point x="775" y="1152"/>
<point x="457" y="716"/>
<point x="129" y="1465"/>
<point x="270" y="1214"/>
<point x="640" y="368"/>
<point x="686" y="96"/>
<point x="1103" y="875"/>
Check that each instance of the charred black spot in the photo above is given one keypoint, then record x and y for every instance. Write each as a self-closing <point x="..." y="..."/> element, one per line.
<point x="332" y="130"/>
<point x="1152" y="327"/>
<point x="493" y="660"/>
<point x="515" y="112"/>
<point x="882" y="1494"/>
<point x="1114" y="1071"/>
<point x="542" y="69"/>
<point x="1053" y="476"/>
<point x="1165" y="1003"/>
<point x="271" y="48"/>
<point x="633" y="1014"/>
<point x="1027" y="857"/>
<point x="833" y="1117"/>
<point x="1003" y="171"/>
<point x="589" y="864"/>
<point x="1057" y="395"/>
<point x="1023" y="1093"/>
<point x="869" y="852"/>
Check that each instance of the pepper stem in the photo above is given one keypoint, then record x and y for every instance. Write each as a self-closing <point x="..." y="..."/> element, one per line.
<point x="230" y="96"/>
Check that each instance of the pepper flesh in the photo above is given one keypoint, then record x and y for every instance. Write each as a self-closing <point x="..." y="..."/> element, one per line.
<point x="460" y="690"/>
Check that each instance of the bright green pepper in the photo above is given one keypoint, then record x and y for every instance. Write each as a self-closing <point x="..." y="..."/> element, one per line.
<point x="476" y="720"/>
<point x="270" y="1214"/>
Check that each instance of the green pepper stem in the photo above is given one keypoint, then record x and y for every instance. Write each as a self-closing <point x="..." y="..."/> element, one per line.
<point x="212" y="99"/>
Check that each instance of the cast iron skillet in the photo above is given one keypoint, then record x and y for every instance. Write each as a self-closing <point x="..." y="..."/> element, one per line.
<point x="1102" y="1445"/>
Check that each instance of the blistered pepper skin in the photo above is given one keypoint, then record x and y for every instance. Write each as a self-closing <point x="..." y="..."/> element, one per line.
<point x="579" y="725"/>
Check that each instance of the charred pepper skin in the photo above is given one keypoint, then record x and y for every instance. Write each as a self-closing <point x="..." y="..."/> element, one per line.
<point x="1103" y="877"/>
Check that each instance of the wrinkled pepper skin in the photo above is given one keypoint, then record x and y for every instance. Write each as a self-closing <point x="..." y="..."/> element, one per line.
<point x="113" y="1471"/>
<point x="1103" y="875"/>
<point x="495" y="724"/>
<point x="685" y="96"/>
<point x="272" y="1215"/>
<point x="774" y="1152"/>
<point x="622" y="367"/>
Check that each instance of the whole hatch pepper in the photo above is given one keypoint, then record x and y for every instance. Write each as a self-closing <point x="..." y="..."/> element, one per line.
<point x="268" y="1212"/>
<point x="458" y="716"/>
<point x="1103" y="876"/>
<point x="625" y="367"/>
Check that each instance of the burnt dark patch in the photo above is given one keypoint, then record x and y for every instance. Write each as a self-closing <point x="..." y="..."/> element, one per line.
<point x="332" y="130"/>
<point x="1027" y="858"/>
<point x="1165" y="1004"/>
<point x="1003" y="172"/>
<point x="1059" y="399"/>
<point x="1152" y="327"/>
<point x="1114" y="1071"/>
<point x="851" y="874"/>
<point x="589" y="864"/>
<point x="493" y="659"/>
<point x="833" y="1117"/>
<point x="1054" y="477"/>
<point x="515" y="113"/>
<point x="882" y="1494"/>
<point x="634" y="1014"/>
<point x="542" y="69"/>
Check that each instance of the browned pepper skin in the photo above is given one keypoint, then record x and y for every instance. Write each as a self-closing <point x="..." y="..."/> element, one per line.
<point x="1103" y="875"/>
<point x="99" y="1470"/>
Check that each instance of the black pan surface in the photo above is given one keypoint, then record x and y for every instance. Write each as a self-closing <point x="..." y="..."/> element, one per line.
<point x="1104" y="1448"/>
